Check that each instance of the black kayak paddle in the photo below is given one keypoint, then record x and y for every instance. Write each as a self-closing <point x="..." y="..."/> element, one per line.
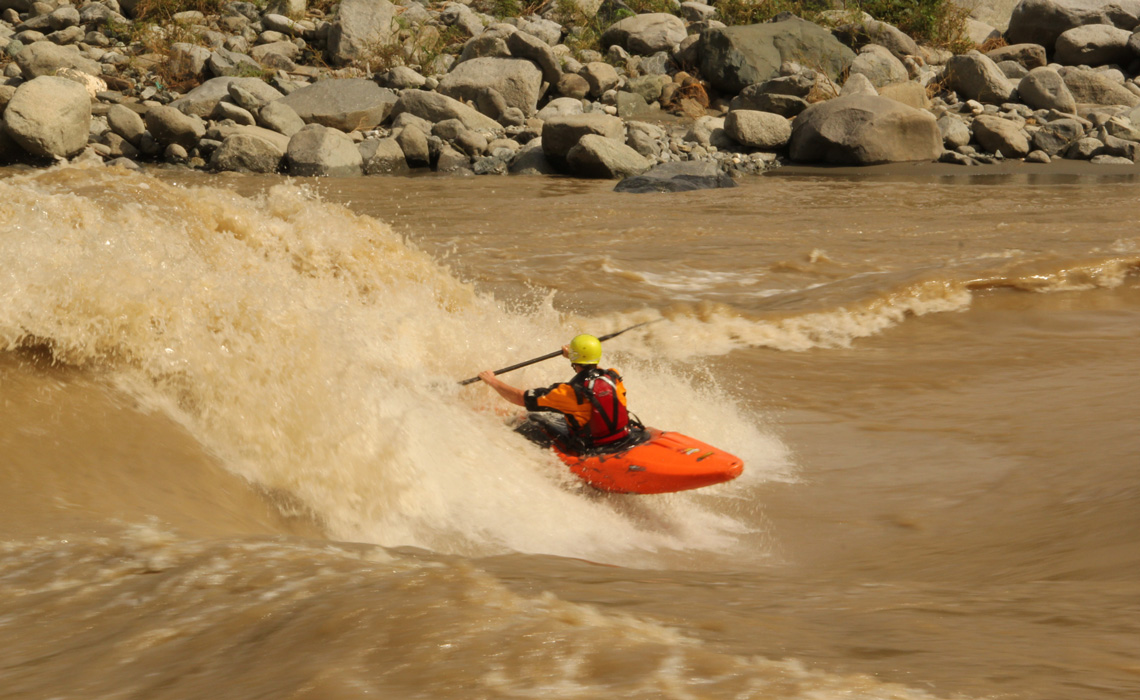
<point x="557" y="353"/>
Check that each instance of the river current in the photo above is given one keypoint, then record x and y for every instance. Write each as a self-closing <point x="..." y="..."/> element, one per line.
<point x="237" y="462"/>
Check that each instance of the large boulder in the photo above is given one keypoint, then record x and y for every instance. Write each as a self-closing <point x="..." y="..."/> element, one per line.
<point x="1044" y="88"/>
<point x="1043" y="21"/>
<point x="516" y="81"/>
<point x="170" y="126"/>
<point x="49" y="117"/>
<point x="598" y="156"/>
<point x="871" y="31"/>
<point x="645" y="35"/>
<point x="524" y="45"/>
<point x="202" y="100"/>
<point x="1056" y="136"/>
<point x="360" y="26"/>
<point x="248" y="152"/>
<point x="762" y="130"/>
<point x="736" y="57"/>
<point x="346" y="104"/>
<point x="46" y="58"/>
<point x="682" y="176"/>
<point x="560" y="134"/>
<point x="879" y="65"/>
<point x="1029" y="56"/>
<point x="320" y="151"/>
<point x="864" y="130"/>
<point x="435" y="107"/>
<point x="1093" y="45"/>
<point x="1091" y="87"/>
<point x="997" y="135"/>
<point x="975" y="77"/>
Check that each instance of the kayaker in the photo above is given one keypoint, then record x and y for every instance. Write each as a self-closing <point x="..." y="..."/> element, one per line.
<point x="593" y="403"/>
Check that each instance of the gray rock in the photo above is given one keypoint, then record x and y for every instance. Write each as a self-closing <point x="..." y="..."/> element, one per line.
<point x="955" y="133"/>
<point x="382" y="157"/>
<point x="997" y="135"/>
<point x="1093" y="45"/>
<point x="975" y="77"/>
<point x="864" y="130"/>
<point x="236" y="114"/>
<point x="414" y="145"/>
<point x="530" y="160"/>
<point x="762" y="130"/>
<point x="169" y="125"/>
<point x="1044" y="88"/>
<point x="452" y="160"/>
<point x="560" y="107"/>
<point x="1105" y="159"/>
<point x="1038" y="157"/>
<point x="1090" y="87"/>
<point x="224" y="62"/>
<point x="249" y="153"/>
<point x="345" y="104"/>
<point x="320" y="151"/>
<point x="518" y="82"/>
<point x="573" y="85"/>
<point x="633" y="106"/>
<point x="709" y="131"/>
<point x="858" y="84"/>
<point x="871" y="31"/>
<point x="49" y="117"/>
<point x="1028" y="55"/>
<point x="684" y="176"/>
<point x="435" y="107"/>
<point x="600" y="76"/>
<point x="879" y="66"/>
<point x="1117" y="147"/>
<point x="244" y="98"/>
<point x="280" y="117"/>
<point x="647" y="139"/>
<point x="201" y="100"/>
<point x="561" y="134"/>
<point x="1055" y="137"/>
<point x="532" y="48"/>
<point x="360" y="26"/>
<point x="188" y="59"/>
<point x="648" y="86"/>
<point x="278" y="54"/>
<point x="45" y="58"/>
<point x="1083" y="149"/>
<point x="1012" y="70"/>
<point x="601" y="157"/>
<point x="275" y="22"/>
<point x="1042" y="21"/>
<point x="733" y="58"/>
<point x="401" y="78"/>
<point x="646" y="34"/>
<point x="490" y="44"/>
<point x="784" y="105"/>
<point x="127" y="123"/>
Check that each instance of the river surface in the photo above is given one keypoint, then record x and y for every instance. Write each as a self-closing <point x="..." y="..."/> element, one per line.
<point x="237" y="462"/>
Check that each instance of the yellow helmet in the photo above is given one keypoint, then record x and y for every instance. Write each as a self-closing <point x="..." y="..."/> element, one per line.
<point x="585" y="350"/>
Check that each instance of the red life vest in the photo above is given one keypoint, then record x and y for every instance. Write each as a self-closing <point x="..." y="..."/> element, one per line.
<point x="609" y="421"/>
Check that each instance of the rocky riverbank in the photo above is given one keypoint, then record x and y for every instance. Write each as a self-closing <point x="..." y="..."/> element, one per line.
<point x="679" y="100"/>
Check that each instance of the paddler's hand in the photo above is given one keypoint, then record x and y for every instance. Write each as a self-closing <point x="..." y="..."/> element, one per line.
<point x="566" y="351"/>
<point x="488" y="377"/>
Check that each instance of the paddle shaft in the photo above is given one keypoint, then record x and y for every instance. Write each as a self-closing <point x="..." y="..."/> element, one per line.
<point x="557" y="353"/>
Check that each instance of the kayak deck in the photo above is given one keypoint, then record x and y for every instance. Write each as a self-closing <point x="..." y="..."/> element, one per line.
<point x="662" y="462"/>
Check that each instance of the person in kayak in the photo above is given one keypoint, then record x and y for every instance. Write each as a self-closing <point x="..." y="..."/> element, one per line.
<point x="593" y="402"/>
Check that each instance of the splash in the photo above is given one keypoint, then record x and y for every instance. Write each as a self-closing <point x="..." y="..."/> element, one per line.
<point x="315" y="352"/>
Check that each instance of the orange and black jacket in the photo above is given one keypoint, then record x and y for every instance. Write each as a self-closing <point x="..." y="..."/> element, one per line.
<point x="588" y="416"/>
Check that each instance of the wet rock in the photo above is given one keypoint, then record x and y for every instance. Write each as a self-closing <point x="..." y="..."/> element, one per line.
<point x="382" y="157"/>
<point x="601" y="157"/>
<point x="560" y="134"/>
<point x="248" y="152"/>
<point x="864" y="130"/>
<point x="345" y="104"/>
<point x="736" y="57"/>
<point x="646" y="34"/>
<point x="320" y="151"/>
<point x="49" y="117"/>
<point x="677" y="177"/>
<point x="1044" y="88"/>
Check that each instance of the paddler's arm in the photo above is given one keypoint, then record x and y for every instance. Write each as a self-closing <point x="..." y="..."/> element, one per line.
<point x="512" y="394"/>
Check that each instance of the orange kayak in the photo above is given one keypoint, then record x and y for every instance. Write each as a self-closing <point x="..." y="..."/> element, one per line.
<point x="662" y="463"/>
